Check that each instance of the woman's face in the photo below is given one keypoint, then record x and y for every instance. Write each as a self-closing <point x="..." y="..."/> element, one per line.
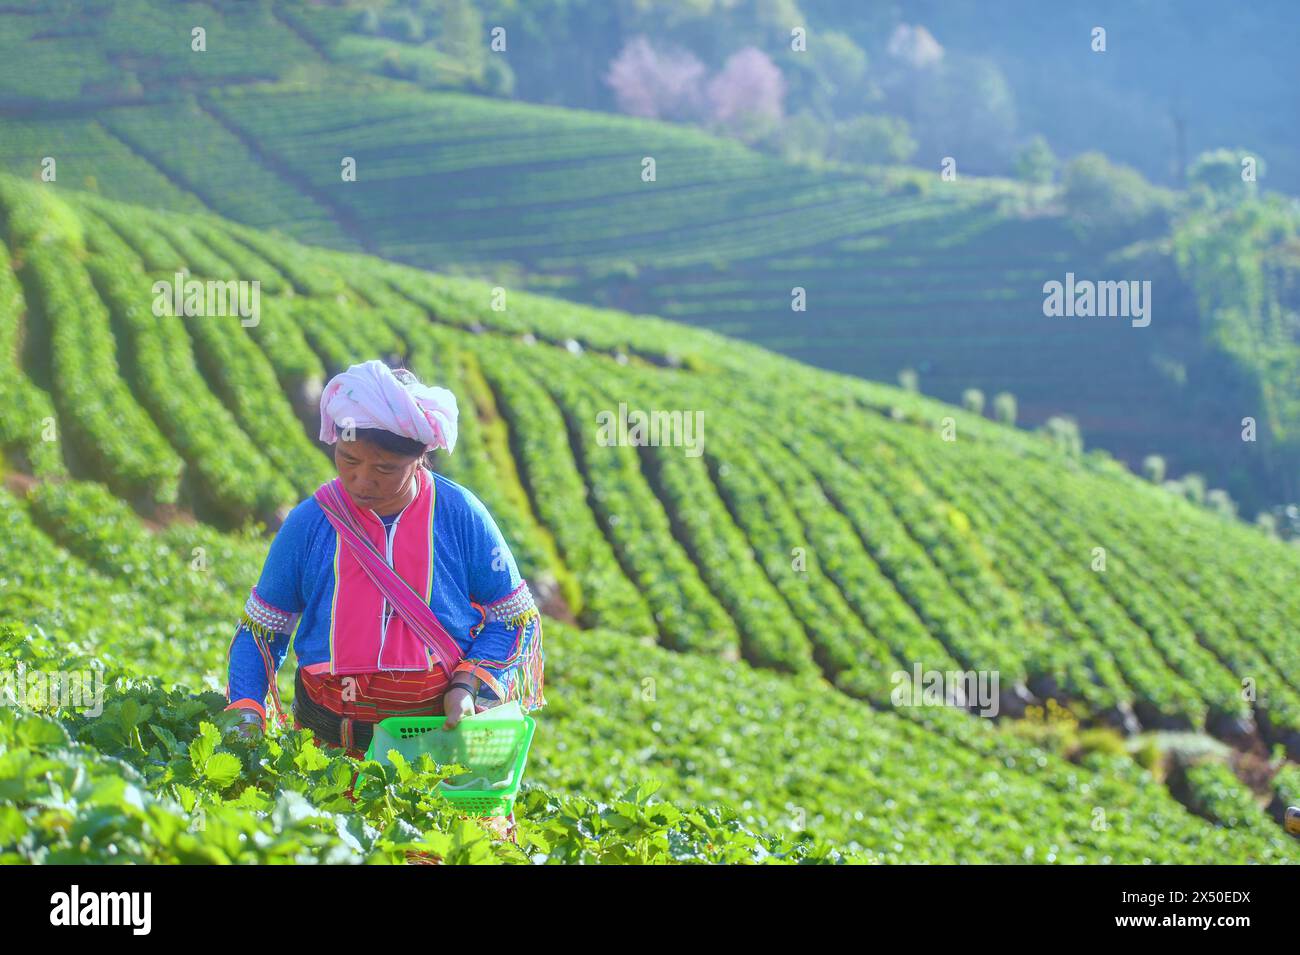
<point x="376" y="479"/>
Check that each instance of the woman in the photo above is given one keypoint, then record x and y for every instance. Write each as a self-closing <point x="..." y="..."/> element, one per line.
<point x="406" y="598"/>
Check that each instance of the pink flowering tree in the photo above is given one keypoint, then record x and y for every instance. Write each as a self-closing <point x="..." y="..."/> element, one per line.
<point x="656" y="84"/>
<point x="745" y="97"/>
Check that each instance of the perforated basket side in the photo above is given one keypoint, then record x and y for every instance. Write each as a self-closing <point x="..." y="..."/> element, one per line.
<point x="479" y="804"/>
<point x="485" y="745"/>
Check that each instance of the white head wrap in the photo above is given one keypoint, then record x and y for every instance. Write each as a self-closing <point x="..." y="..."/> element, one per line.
<point x="370" y="395"/>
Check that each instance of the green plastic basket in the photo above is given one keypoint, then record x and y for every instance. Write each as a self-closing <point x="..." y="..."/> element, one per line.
<point x="492" y="748"/>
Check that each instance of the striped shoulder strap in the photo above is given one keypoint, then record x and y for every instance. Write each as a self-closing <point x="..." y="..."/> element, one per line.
<point x="419" y="616"/>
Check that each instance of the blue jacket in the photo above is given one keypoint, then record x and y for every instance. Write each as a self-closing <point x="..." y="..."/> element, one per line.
<point x="471" y="562"/>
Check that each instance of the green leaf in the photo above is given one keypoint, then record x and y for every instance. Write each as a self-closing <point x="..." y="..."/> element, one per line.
<point x="12" y="825"/>
<point x="292" y="808"/>
<point x="200" y="752"/>
<point x="310" y="757"/>
<point x="222" y="769"/>
<point x="128" y="715"/>
<point x="533" y="838"/>
<point x="36" y="732"/>
<point x="187" y="797"/>
<point x="252" y="798"/>
<point x="351" y="831"/>
<point x="166" y="737"/>
<point x="203" y="746"/>
<point x="404" y="771"/>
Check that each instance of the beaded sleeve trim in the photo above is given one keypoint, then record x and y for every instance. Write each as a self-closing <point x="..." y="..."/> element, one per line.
<point x="515" y="608"/>
<point x="264" y="619"/>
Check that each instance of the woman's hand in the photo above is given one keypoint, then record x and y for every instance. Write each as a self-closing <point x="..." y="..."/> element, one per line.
<point x="250" y="722"/>
<point x="457" y="703"/>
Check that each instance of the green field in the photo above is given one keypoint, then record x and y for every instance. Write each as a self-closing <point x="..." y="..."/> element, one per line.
<point x="723" y="625"/>
<point x="900" y="269"/>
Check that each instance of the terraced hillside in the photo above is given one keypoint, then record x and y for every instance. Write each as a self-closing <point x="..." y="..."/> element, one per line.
<point x="899" y="269"/>
<point x="736" y="608"/>
<point x="897" y="272"/>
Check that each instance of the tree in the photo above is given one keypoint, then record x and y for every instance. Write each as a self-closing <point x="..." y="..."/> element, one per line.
<point x="1153" y="468"/>
<point x="840" y="73"/>
<point x="1036" y="162"/>
<point x="1102" y="196"/>
<point x="1219" y="174"/>
<point x="915" y="46"/>
<point x="802" y="138"/>
<point x="656" y="84"/>
<point x="460" y="33"/>
<point x="958" y="106"/>
<point x="1064" y="432"/>
<point x="1004" y="407"/>
<point x="874" y="140"/>
<point x="1193" y="486"/>
<point x="1220" y="501"/>
<point x="498" y="78"/>
<point x="367" y="21"/>
<point x="745" y="97"/>
<point x="403" y="25"/>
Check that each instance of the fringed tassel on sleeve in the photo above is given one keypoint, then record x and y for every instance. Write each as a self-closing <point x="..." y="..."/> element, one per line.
<point x="260" y="637"/>
<point x="522" y="673"/>
<point x="263" y="621"/>
<point x="529" y="669"/>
